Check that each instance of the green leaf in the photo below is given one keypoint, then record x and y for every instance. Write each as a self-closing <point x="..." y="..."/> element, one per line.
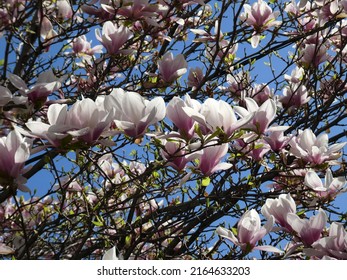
<point x="205" y="181"/>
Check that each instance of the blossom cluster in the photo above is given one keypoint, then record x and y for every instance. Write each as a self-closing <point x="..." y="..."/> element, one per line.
<point x="163" y="77"/>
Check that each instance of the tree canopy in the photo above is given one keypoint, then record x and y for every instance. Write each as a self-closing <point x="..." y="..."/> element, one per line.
<point x="173" y="129"/>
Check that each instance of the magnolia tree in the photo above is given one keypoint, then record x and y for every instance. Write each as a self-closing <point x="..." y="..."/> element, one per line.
<point x="173" y="129"/>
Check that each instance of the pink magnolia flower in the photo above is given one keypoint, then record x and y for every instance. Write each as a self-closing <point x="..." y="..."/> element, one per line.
<point x="314" y="149"/>
<point x="309" y="230"/>
<point x="210" y="157"/>
<point x="294" y="96"/>
<point x="5" y="96"/>
<point x="331" y="187"/>
<point x="170" y="67"/>
<point x="215" y="114"/>
<point x="237" y="84"/>
<point x="80" y="46"/>
<point x="279" y="209"/>
<point x="296" y="75"/>
<point x="261" y="117"/>
<point x="133" y="113"/>
<point x="86" y="121"/>
<point x="313" y="55"/>
<point x="135" y="10"/>
<point x="45" y="85"/>
<point x="64" y="10"/>
<point x="251" y="146"/>
<point x="176" y="113"/>
<point x="261" y="93"/>
<point x="47" y="32"/>
<point x="195" y="77"/>
<point x="249" y="232"/>
<point x="334" y="245"/>
<point x="113" y="36"/>
<point x="174" y="151"/>
<point x="14" y="151"/>
<point x="276" y="138"/>
<point x="261" y="17"/>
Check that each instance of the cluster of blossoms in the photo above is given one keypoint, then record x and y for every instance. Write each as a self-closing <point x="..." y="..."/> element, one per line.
<point x="132" y="89"/>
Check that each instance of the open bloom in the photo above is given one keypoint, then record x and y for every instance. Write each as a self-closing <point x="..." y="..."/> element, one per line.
<point x="276" y="138"/>
<point x="309" y="230"/>
<point x="170" y="67"/>
<point x="133" y="113"/>
<point x="215" y="114"/>
<point x="175" y="153"/>
<point x="294" y="96"/>
<point x="86" y="120"/>
<point x="14" y="151"/>
<point x="261" y="117"/>
<point x="210" y="159"/>
<point x="261" y="17"/>
<point x="46" y="84"/>
<point x="113" y="37"/>
<point x="331" y="187"/>
<point x="314" y="149"/>
<point x="279" y="209"/>
<point x="249" y="232"/>
<point x="334" y="245"/>
<point x="80" y="46"/>
<point x="176" y="113"/>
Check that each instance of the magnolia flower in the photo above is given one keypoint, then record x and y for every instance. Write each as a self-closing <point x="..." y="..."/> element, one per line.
<point x="309" y="230"/>
<point x="134" y="113"/>
<point x="294" y="96"/>
<point x="64" y="10"/>
<point x="261" y="93"/>
<point x="175" y="153"/>
<point x="261" y="116"/>
<point x="251" y="146"/>
<point x="113" y="37"/>
<point x="249" y="232"/>
<point x="47" y="32"/>
<point x="260" y="17"/>
<point x="314" y="149"/>
<point x="215" y="114"/>
<point x="139" y="9"/>
<point x="237" y="84"/>
<point x="210" y="157"/>
<point x="313" y="55"/>
<point x="170" y="67"/>
<point x="195" y="77"/>
<point x="5" y="96"/>
<point x="276" y="139"/>
<point x="14" y="151"/>
<point x="334" y="245"/>
<point x="279" y="209"/>
<point x="296" y="75"/>
<point x="46" y="84"/>
<point x="111" y="255"/>
<point x="330" y="188"/>
<point x="86" y="120"/>
<point x="80" y="46"/>
<point x="176" y="113"/>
